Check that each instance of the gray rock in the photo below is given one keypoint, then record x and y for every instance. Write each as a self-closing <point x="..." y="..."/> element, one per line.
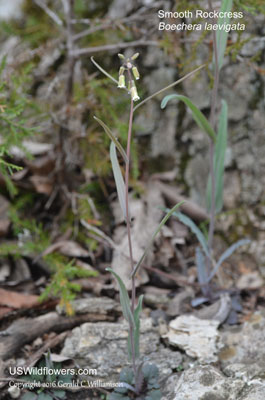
<point x="155" y="297"/>
<point x="246" y="372"/>
<point x="197" y="337"/>
<point x="244" y="344"/>
<point x="256" y="392"/>
<point x="103" y="346"/>
<point x="206" y="383"/>
<point x="166" y="360"/>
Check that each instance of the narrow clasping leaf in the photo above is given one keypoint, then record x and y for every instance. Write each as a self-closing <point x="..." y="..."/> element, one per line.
<point x="113" y="138"/>
<point x="221" y="35"/>
<point x="136" y="331"/>
<point x="219" y="162"/>
<point x="228" y="252"/>
<point x="124" y="299"/>
<point x="194" y="228"/>
<point x="196" y="113"/>
<point x="120" y="185"/>
<point x="201" y="269"/>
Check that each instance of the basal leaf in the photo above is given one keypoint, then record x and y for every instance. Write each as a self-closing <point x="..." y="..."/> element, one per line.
<point x="44" y="396"/>
<point x="201" y="269"/>
<point x="196" y="113"/>
<point x="61" y="394"/>
<point x="29" y="396"/>
<point x="162" y="223"/>
<point x="117" y="396"/>
<point x="219" y="161"/>
<point x="124" y="299"/>
<point x="154" y="395"/>
<point x="197" y="301"/>
<point x="195" y="229"/>
<point x="227" y="254"/>
<point x="113" y="138"/>
<point x="120" y="185"/>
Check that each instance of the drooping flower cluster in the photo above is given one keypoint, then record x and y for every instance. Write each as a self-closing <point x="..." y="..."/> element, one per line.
<point x="132" y="72"/>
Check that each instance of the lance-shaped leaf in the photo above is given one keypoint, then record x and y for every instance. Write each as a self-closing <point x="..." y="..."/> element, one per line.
<point x="113" y="138"/>
<point x="227" y="254"/>
<point x="221" y="35"/>
<point x="118" y="178"/>
<point x="201" y="269"/>
<point x="124" y="299"/>
<point x="136" y="331"/>
<point x="196" y="113"/>
<point x="162" y="223"/>
<point x="219" y="161"/>
<point x="194" y="228"/>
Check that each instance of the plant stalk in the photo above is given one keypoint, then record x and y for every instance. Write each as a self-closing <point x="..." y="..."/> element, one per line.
<point x="212" y="122"/>
<point x="128" y="225"/>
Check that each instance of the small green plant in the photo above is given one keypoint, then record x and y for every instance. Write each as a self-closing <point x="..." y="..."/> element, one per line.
<point x="207" y="266"/>
<point x="138" y="386"/>
<point x="144" y="385"/>
<point x="46" y="385"/>
<point x="61" y="285"/>
<point x="33" y="240"/>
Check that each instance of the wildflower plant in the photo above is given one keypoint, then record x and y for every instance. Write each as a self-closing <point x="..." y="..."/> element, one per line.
<point x="141" y="380"/>
<point x="217" y="133"/>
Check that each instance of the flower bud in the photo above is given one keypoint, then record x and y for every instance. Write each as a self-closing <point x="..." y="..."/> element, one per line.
<point x="136" y="55"/>
<point x="121" y="84"/>
<point x="134" y="93"/>
<point x="122" y="69"/>
<point x="135" y="73"/>
<point x="121" y="56"/>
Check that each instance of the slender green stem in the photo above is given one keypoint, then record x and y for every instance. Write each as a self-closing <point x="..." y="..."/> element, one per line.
<point x="103" y="70"/>
<point x="128" y="225"/>
<point x="168" y="87"/>
<point x="212" y="121"/>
